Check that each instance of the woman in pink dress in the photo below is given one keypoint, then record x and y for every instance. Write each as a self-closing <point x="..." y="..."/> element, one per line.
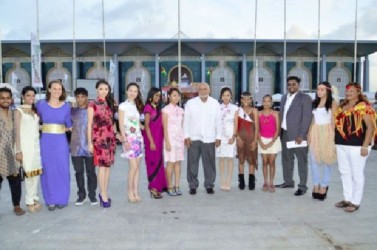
<point x="174" y="140"/>
<point x="101" y="137"/>
<point x="153" y="135"/>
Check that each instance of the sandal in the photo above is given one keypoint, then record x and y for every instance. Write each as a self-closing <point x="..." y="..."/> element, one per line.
<point x="265" y="188"/>
<point x="272" y="188"/>
<point x="351" y="208"/>
<point x="342" y="204"/>
<point x="18" y="211"/>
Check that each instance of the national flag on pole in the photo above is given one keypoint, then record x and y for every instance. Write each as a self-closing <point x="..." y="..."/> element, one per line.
<point x="112" y="73"/>
<point x="36" y="79"/>
<point x="256" y="81"/>
<point x="163" y="71"/>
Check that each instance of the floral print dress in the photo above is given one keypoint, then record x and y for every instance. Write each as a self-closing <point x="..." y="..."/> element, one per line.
<point x="103" y="134"/>
<point x="131" y="125"/>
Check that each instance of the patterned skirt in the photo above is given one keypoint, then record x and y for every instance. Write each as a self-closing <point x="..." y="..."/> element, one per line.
<point x="322" y="144"/>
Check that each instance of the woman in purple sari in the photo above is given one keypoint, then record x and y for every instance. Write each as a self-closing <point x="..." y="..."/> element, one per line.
<point x="153" y="140"/>
<point x="55" y="114"/>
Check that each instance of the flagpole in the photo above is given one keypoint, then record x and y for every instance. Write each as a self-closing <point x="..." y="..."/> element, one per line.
<point x="319" y="43"/>
<point x="37" y="10"/>
<point x="255" y="47"/>
<point x="285" y="48"/>
<point x="103" y="35"/>
<point x="179" y="43"/>
<point x="74" y="69"/>
<point x="37" y="19"/>
<point x="355" y="46"/>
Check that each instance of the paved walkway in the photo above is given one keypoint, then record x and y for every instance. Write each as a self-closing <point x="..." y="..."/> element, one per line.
<point x="226" y="220"/>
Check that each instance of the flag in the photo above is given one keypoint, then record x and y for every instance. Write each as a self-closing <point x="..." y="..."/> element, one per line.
<point x="112" y="73"/>
<point x="36" y="79"/>
<point x="163" y="71"/>
<point x="256" y="81"/>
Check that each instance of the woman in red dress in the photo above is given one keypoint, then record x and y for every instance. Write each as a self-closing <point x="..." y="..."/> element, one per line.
<point x="101" y="136"/>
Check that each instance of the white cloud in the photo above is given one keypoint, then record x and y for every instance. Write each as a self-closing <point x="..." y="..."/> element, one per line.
<point x="199" y="19"/>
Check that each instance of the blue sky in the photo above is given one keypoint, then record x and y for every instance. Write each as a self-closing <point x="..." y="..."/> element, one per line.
<point x="199" y="19"/>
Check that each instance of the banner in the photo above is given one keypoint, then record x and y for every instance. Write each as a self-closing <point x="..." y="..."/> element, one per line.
<point x="36" y="79"/>
<point x="256" y="86"/>
<point x="112" y="74"/>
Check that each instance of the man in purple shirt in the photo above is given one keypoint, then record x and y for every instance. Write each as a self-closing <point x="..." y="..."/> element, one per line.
<point x="79" y="149"/>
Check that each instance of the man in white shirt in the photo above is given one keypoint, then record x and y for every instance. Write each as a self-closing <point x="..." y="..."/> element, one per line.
<point x="296" y="116"/>
<point x="202" y="130"/>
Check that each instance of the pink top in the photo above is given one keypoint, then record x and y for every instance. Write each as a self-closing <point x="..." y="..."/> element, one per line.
<point x="267" y="125"/>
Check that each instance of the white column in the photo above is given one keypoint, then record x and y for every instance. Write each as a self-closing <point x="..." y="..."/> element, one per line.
<point x="116" y="78"/>
<point x="324" y="68"/>
<point x="244" y="73"/>
<point x="366" y="73"/>
<point x="203" y="67"/>
<point x="157" y="71"/>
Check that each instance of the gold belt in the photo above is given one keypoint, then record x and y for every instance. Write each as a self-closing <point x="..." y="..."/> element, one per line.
<point x="53" y="128"/>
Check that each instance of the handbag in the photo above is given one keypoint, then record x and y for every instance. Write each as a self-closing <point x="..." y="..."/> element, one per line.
<point x="21" y="173"/>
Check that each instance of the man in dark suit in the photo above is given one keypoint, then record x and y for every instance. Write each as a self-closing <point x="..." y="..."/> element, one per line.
<point x="296" y="117"/>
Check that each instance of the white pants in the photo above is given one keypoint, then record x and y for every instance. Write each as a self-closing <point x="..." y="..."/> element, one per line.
<point x="351" y="167"/>
<point x="31" y="189"/>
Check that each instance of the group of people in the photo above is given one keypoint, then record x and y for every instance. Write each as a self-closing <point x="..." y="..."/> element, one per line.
<point x="320" y="132"/>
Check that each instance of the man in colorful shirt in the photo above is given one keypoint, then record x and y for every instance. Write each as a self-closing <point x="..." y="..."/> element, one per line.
<point x="79" y="149"/>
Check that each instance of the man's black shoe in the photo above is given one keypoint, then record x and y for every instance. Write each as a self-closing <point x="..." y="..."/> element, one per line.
<point x="192" y="191"/>
<point x="283" y="185"/>
<point x="210" y="191"/>
<point x="299" y="192"/>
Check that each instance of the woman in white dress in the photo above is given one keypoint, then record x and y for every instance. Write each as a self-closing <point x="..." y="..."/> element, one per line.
<point x="227" y="149"/>
<point x="27" y="147"/>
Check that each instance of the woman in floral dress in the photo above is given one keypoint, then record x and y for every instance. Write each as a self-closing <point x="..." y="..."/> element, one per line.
<point x="101" y="137"/>
<point x="129" y="125"/>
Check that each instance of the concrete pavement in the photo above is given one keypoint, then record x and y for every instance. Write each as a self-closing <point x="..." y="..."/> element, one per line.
<point x="226" y="220"/>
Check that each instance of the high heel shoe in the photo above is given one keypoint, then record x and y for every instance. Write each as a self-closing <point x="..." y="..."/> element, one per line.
<point x="171" y="192"/>
<point x="178" y="191"/>
<point x="322" y="197"/>
<point x="155" y="194"/>
<point x="104" y="204"/>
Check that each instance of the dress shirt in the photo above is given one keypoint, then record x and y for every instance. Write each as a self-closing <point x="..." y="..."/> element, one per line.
<point x="288" y="103"/>
<point x="202" y="121"/>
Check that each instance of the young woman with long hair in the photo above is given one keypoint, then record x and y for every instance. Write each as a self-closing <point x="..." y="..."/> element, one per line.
<point x="247" y="136"/>
<point x="153" y="135"/>
<point x="101" y="137"/>
<point x="28" y="147"/>
<point x="227" y="149"/>
<point x="322" y="153"/>
<point x="130" y="128"/>
<point x="174" y="146"/>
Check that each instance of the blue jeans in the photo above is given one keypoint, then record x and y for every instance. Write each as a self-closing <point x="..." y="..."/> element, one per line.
<point x="316" y="169"/>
